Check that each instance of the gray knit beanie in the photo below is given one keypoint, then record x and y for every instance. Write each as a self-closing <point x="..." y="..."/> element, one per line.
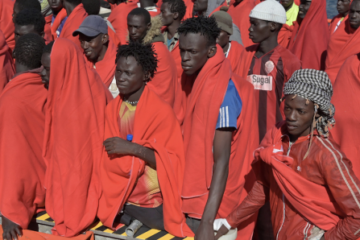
<point x="316" y="86"/>
<point x="269" y="10"/>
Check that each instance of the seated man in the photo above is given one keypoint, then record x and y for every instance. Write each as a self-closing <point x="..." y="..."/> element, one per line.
<point x="76" y="14"/>
<point x="99" y="49"/>
<point x="312" y="189"/>
<point x="143" y="163"/>
<point x="145" y="30"/>
<point x="232" y="49"/>
<point x="29" y="21"/>
<point x="22" y="123"/>
<point x="219" y="128"/>
<point x="344" y="43"/>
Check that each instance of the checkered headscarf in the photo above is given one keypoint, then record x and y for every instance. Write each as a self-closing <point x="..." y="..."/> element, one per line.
<point x="315" y="86"/>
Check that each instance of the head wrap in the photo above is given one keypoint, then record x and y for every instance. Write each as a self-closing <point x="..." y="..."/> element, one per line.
<point x="314" y="85"/>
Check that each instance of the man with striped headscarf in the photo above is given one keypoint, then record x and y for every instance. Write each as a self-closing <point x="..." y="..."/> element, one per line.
<point x="312" y="189"/>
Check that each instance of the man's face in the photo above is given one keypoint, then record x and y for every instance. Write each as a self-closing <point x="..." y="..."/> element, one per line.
<point x="137" y="27"/>
<point x="200" y="5"/>
<point x="45" y="73"/>
<point x="93" y="46"/>
<point x="287" y="3"/>
<point x="298" y="115"/>
<point x="22" y="30"/>
<point x="343" y="6"/>
<point x="16" y="10"/>
<point x="304" y="8"/>
<point x="167" y="17"/>
<point x="259" y="30"/>
<point x="129" y="76"/>
<point x="223" y="39"/>
<point x="194" y="52"/>
<point x="56" y="5"/>
<point x="354" y="15"/>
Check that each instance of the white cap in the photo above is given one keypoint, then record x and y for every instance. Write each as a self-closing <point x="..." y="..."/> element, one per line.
<point x="269" y="10"/>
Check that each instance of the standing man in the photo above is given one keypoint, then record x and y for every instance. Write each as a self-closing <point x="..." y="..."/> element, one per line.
<point x="145" y="30"/>
<point x="99" y="49"/>
<point x="22" y="123"/>
<point x="343" y="7"/>
<point x="76" y="15"/>
<point x="219" y="130"/>
<point x="232" y="49"/>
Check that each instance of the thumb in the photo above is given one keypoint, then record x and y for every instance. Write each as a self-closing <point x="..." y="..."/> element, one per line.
<point x="222" y="231"/>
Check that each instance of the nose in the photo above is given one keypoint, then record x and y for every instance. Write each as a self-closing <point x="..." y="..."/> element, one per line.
<point x="292" y="116"/>
<point x="84" y="44"/>
<point x="186" y="57"/>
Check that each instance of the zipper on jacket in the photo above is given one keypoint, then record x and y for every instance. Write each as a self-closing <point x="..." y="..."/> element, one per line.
<point x="283" y="198"/>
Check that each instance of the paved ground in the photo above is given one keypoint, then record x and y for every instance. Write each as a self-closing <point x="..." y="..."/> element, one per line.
<point x="331" y="8"/>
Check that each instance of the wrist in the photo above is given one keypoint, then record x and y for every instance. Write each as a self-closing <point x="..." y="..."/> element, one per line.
<point x="132" y="150"/>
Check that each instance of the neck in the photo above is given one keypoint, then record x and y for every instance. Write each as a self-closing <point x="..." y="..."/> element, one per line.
<point x="226" y="47"/>
<point x="345" y="14"/>
<point x="20" y="68"/>
<point x="146" y="3"/>
<point x="267" y="45"/>
<point x="135" y="96"/>
<point x="287" y="8"/>
<point x="102" y="53"/>
<point x="172" y="29"/>
<point x="69" y="7"/>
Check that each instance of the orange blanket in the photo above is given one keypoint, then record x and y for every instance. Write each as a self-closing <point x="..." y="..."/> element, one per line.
<point x="72" y="23"/>
<point x="31" y="235"/>
<point x="314" y="26"/>
<point x="58" y="19"/>
<point x="240" y="15"/>
<point x="311" y="200"/>
<point x="74" y="127"/>
<point x="6" y="23"/>
<point x="234" y="57"/>
<point x="189" y="9"/>
<point x="202" y="102"/>
<point x="155" y="127"/>
<point x="7" y="68"/>
<point x="165" y="78"/>
<point x="22" y="168"/>
<point x="344" y="43"/>
<point x="47" y="29"/>
<point x="334" y="22"/>
<point x="285" y="34"/>
<point x="346" y="91"/>
<point x="106" y="67"/>
<point x="118" y="19"/>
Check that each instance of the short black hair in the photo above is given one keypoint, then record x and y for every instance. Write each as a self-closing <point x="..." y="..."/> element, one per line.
<point x="31" y="16"/>
<point x="92" y="7"/>
<point x="28" y="50"/>
<point x="143" y="53"/>
<point x="141" y="12"/>
<point x="27" y="4"/>
<point x="74" y="2"/>
<point x="177" y="6"/>
<point x="206" y="26"/>
<point x="48" y="47"/>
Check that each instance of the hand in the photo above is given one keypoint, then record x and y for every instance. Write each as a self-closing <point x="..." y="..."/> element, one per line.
<point x="205" y="232"/>
<point x="118" y="146"/>
<point x="11" y="230"/>
<point x="222" y="231"/>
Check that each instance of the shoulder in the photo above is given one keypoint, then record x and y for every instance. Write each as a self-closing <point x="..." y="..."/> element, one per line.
<point x="289" y="59"/>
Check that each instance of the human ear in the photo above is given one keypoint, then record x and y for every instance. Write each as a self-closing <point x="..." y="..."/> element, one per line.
<point x="146" y="77"/>
<point x="176" y="15"/>
<point x="149" y="26"/>
<point x="212" y="51"/>
<point x="105" y="38"/>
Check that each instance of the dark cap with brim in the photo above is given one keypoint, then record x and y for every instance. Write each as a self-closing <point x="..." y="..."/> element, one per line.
<point x="92" y="26"/>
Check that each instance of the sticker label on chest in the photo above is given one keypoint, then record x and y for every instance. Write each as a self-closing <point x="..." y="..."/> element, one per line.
<point x="261" y="82"/>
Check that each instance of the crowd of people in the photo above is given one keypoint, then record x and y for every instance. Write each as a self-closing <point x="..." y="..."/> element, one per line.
<point x="210" y="119"/>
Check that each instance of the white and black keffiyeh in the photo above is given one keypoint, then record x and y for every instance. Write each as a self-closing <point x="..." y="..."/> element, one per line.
<point x="315" y="86"/>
